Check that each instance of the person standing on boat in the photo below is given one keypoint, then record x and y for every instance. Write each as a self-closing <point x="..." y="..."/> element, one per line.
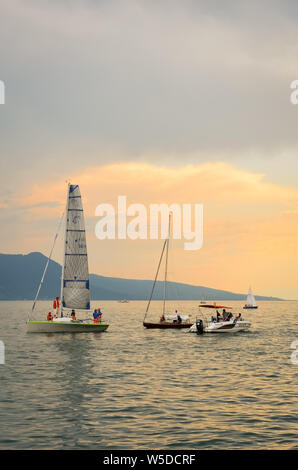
<point x="95" y="316"/>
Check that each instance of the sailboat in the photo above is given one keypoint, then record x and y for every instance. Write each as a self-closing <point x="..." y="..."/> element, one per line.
<point x="250" y="300"/>
<point x="75" y="289"/>
<point x="174" y="321"/>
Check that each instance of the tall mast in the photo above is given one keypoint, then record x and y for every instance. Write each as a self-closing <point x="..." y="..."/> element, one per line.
<point x="166" y="268"/>
<point x="47" y="264"/>
<point x="156" y="275"/>
<point x="64" y="249"/>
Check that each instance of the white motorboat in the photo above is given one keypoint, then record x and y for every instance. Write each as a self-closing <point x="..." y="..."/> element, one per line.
<point x="224" y="322"/>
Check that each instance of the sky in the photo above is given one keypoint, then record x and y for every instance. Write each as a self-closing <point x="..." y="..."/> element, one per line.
<point x="162" y="101"/>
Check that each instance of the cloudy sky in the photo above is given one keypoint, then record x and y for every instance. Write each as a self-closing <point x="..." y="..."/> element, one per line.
<point x="163" y="101"/>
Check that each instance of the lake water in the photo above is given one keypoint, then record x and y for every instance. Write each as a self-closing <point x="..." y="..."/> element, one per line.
<point x="131" y="388"/>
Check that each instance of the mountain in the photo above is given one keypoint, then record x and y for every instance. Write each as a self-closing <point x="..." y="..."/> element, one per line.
<point x="20" y="276"/>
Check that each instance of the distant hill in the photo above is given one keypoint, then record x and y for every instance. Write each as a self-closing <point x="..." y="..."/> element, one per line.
<point x="20" y="276"/>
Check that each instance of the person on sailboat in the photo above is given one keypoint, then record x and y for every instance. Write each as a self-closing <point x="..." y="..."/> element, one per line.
<point x="73" y="315"/>
<point x="95" y="316"/>
<point x="162" y="318"/>
<point x="175" y="319"/>
<point x="179" y="319"/>
<point x="50" y="316"/>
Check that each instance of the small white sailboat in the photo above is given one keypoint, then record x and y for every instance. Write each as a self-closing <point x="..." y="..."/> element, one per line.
<point x="250" y="300"/>
<point x="75" y="291"/>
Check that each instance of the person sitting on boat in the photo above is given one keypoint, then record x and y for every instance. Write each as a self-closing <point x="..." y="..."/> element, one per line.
<point x="218" y="316"/>
<point x="95" y="316"/>
<point x="224" y="315"/>
<point x="179" y="319"/>
<point x="50" y="316"/>
<point x="73" y="315"/>
<point x="229" y="316"/>
<point x="238" y="318"/>
<point x="162" y="318"/>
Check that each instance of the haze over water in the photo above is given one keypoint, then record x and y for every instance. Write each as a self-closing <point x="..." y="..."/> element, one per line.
<point x="131" y="388"/>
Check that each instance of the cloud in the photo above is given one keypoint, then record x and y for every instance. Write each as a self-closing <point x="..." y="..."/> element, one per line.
<point x="161" y="100"/>
<point x="91" y="82"/>
<point x="247" y="230"/>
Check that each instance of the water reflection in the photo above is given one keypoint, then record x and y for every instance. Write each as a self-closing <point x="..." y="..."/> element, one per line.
<point x="135" y="388"/>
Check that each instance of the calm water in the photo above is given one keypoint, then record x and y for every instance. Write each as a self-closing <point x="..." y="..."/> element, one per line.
<point x="131" y="388"/>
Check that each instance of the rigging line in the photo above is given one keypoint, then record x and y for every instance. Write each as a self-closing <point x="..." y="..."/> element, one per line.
<point x="166" y="268"/>
<point x="48" y="261"/>
<point x="161" y="256"/>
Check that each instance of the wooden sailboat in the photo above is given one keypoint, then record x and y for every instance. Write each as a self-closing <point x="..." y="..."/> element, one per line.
<point x="177" y="321"/>
<point x="250" y="300"/>
<point x="75" y="290"/>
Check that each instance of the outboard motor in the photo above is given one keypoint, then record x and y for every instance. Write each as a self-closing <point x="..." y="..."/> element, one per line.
<point x="200" y="328"/>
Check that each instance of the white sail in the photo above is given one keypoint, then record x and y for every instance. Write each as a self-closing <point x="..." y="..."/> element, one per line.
<point x="75" y="278"/>
<point x="250" y="300"/>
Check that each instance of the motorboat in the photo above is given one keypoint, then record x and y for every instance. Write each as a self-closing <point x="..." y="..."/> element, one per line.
<point x="223" y="322"/>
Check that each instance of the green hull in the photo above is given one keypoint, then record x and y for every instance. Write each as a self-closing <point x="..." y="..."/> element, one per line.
<point x="67" y="327"/>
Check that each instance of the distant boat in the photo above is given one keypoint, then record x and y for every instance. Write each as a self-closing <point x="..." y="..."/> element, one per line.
<point x="174" y="321"/>
<point x="124" y="301"/>
<point x="75" y="292"/>
<point x="250" y="300"/>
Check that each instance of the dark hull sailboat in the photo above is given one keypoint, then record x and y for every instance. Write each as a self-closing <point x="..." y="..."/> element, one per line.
<point x="166" y="325"/>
